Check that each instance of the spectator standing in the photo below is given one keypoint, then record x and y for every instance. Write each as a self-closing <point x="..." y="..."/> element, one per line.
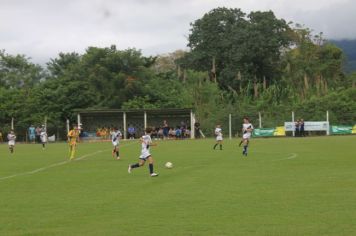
<point x="197" y="129"/>
<point x="301" y="128"/>
<point x="38" y="134"/>
<point x="131" y="132"/>
<point x="32" y="134"/>
<point x="165" y="129"/>
<point x="297" y="128"/>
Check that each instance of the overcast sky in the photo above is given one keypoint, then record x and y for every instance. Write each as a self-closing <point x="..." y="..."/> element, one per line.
<point x="41" y="29"/>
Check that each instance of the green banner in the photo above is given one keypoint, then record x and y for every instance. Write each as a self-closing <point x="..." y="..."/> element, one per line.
<point x="341" y="129"/>
<point x="265" y="132"/>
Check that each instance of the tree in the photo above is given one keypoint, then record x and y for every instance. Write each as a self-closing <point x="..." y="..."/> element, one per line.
<point x="18" y="72"/>
<point x="313" y="65"/>
<point x="237" y="49"/>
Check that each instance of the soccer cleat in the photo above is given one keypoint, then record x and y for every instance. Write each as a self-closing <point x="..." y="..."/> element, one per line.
<point x="117" y="158"/>
<point x="129" y="169"/>
<point x="154" y="175"/>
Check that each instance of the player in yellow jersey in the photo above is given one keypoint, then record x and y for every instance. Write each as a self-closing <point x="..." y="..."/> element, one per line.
<point x="73" y="136"/>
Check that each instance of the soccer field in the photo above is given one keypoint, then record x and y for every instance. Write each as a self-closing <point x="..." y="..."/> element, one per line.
<point x="286" y="186"/>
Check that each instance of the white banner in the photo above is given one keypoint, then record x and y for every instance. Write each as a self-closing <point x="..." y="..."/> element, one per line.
<point x="309" y="126"/>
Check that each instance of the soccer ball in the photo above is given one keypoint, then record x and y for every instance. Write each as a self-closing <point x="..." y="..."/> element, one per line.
<point x="169" y="165"/>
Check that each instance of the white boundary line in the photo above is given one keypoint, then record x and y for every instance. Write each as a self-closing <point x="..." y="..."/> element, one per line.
<point x="57" y="164"/>
<point x="291" y="156"/>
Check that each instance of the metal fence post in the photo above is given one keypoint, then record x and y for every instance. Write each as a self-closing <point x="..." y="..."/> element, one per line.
<point x="124" y="124"/>
<point x="293" y="123"/>
<point x="328" y="124"/>
<point x="230" y="128"/>
<point x="145" y="120"/>
<point x="260" y="120"/>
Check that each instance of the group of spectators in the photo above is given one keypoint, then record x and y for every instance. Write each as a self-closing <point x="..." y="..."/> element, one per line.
<point x="35" y="133"/>
<point x="299" y="128"/>
<point x="105" y="132"/>
<point x="165" y="131"/>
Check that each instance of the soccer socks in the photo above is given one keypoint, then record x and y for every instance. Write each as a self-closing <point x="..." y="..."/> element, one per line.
<point x="245" y="150"/>
<point x="116" y="152"/>
<point x="135" y="165"/>
<point x="72" y="153"/>
<point x="217" y="145"/>
<point x="151" y="168"/>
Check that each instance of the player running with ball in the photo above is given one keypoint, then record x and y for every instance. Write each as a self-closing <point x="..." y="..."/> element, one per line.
<point x="247" y="129"/>
<point x="146" y="142"/>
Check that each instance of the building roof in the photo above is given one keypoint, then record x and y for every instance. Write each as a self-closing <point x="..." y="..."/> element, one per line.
<point x="148" y="111"/>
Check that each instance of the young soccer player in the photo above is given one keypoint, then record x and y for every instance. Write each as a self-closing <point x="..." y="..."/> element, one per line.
<point x="146" y="142"/>
<point x="247" y="129"/>
<point x="72" y="141"/>
<point x="219" y="137"/>
<point x="43" y="137"/>
<point x="115" y="139"/>
<point x="11" y="137"/>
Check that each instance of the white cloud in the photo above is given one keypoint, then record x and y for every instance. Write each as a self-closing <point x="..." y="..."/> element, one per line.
<point x="41" y="28"/>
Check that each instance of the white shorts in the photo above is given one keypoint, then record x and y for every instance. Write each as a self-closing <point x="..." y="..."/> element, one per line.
<point x="144" y="155"/>
<point x="246" y="136"/>
<point x="219" y="138"/>
<point x="11" y="143"/>
<point x="115" y="143"/>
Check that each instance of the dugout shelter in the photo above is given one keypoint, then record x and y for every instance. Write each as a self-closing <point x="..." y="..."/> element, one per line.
<point x="91" y="119"/>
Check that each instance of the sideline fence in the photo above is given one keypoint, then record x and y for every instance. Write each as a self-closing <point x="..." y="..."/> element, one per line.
<point x="265" y="123"/>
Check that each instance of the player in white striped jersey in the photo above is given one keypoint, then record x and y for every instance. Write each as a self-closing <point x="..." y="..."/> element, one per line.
<point x="219" y="137"/>
<point x="146" y="143"/>
<point x="247" y="129"/>
<point x="43" y="137"/>
<point x="11" y="137"/>
<point x="115" y="139"/>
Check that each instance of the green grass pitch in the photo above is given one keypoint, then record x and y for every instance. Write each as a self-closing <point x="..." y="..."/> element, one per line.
<point x="286" y="186"/>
